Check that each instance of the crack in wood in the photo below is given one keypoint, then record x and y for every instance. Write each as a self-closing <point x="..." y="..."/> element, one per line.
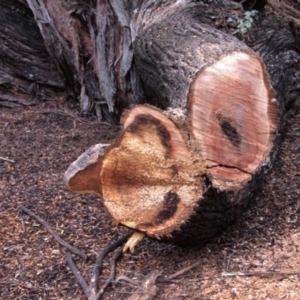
<point x="226" y="166"/>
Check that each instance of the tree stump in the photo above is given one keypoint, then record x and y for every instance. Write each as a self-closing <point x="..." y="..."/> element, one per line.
<point x="185" y="173"/>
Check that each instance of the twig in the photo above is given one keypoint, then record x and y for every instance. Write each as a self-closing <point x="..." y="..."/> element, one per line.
<point x="125" y="278"/>
<point x="67" y="114"/>
<point x="6" y="159"/>
<point x="54" y="234"/>
<point x="97" y="268"/>
<point x="182" y="271"/>
<point x="77" y="275"/>
<point x="91" y="291"/>
<point x="259" y="274"/>
<point x="148" y="289"/>
<point x="112" y="263"/>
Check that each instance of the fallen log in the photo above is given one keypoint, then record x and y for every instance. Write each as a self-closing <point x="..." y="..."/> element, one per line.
<point x="185" y="173"/>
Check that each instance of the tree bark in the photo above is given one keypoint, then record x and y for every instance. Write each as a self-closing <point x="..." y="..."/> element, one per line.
<point x="27" y="72"/>
<point x="91" y="43"/>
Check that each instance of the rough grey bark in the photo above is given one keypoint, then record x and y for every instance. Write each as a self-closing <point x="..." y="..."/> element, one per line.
<point x="170" y="53"/>
<point x="282" y="61"/>
<point x="27" y="72"/>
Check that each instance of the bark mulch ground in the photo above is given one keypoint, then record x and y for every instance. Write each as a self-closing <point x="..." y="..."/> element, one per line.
<point x="256" y="258"/>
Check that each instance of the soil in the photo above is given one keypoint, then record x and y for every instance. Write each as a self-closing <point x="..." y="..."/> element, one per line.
<point x="256" y="258"/>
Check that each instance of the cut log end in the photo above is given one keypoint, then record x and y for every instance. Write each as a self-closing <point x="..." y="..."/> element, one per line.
<point x="146" y="177"/>
<point x="234" y="118"/>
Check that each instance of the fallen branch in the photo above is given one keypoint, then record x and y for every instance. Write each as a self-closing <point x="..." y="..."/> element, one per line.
<point x="92" y="292"/>
<point x="97" y="268"/>
<point x="54" y="234"/>
<point x="77" y="275"/>
<point x="112" y="263"/>
<point x="6" y="159"/>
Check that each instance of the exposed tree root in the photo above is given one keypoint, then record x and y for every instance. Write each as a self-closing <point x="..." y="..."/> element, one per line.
<point x="91" y="290"/>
